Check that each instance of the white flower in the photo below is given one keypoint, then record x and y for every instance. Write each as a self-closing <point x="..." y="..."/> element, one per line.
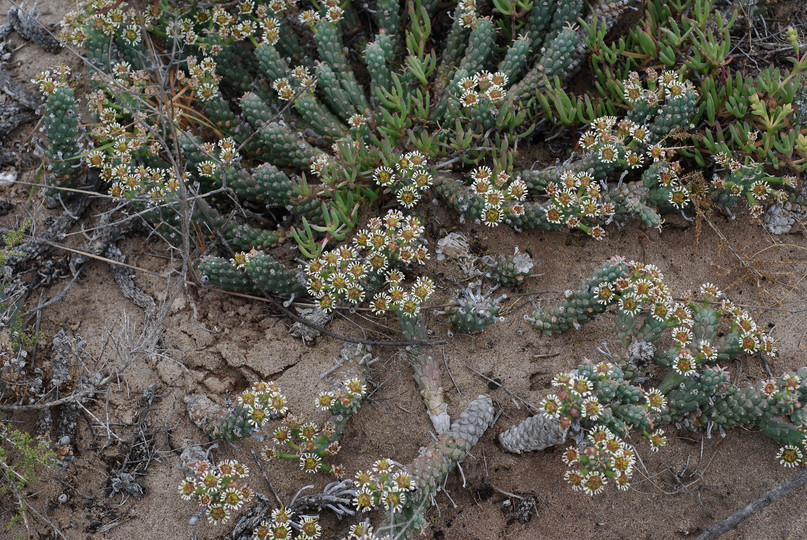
<point x="790" y="456"/>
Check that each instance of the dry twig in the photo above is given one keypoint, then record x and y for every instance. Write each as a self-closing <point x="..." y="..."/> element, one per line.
<point x="754" y="506"/>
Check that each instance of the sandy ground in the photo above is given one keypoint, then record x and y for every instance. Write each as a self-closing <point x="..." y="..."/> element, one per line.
<point x="218" y="344"/>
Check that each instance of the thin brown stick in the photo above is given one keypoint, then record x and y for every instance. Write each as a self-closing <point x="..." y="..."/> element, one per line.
<point x="457" y="388"/>
<point x="754" y="506"/>
<point x="266" y="478"/>
<point x="68" y="399"/>
<point x="725" y="240"/>
<point x="532" y="408"/>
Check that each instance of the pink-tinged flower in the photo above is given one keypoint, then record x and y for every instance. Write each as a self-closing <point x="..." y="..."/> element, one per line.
<point x="594" y="483"/>
<point x="571" y="456"/>
<point x="575" y="479"/>
<point x="655" y="400"/>
<point x="551" y="406"/>
<point x="769" y="387"/>
<point x="707" y="350"/>
<point x="217" y="514"/>
<point x="622" y="481"/>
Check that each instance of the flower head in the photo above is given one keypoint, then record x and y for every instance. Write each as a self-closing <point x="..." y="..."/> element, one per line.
<point x="657" y="440"/>
<point x="393" y="500"/>
<point x="581" y="386"/>
<point x="607" y="153"/>
<point x="575" y="479"/>
<point x="363" y="500"/>
<point x="655" y="400"/>
<point x="682" y="335"/>
<point x="622" y="481"/>
<point x="594" y="483"/>
<point x="592" y="408"/>
<point x="310" y="463"/>
<point x="550" y="406"/>
<point x="217" y="514"/>
<point x="571" y="456"/>
<point x="310" y="527"/>
<point x="629" y="304"/>
<point x="187" y="489"/>
<point x="790" y="456"/>
<point x="684" y="363"/>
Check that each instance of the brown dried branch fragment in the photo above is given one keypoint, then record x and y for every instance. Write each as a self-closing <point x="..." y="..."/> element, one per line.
<point x="754" y="506"/>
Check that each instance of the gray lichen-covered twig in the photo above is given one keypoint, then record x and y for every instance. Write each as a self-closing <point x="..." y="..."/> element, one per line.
<point x="29" y="28"/>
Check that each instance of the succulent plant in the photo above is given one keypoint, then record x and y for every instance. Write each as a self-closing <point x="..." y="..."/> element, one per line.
<point x="405" y="494"/>
<point x="264" y="122"/>
<point x="61" y="124"/>
<point x="509" y="272"/>
<point x="599" y="405"/>
<point x="471" y="311"/>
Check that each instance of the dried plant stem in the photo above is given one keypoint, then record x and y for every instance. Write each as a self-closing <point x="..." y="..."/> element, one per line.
<point x="725" y="240"/>
<point x="72" y="398"/>
<point x="754" y="506"/>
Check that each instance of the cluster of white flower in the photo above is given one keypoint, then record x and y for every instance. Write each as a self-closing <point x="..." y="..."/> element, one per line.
<point x="332" y="12"/>
<point x="306" y="443"/>
<point x="501" y="194"/>
<point x="466" y="12"/>
<point x="109" y="17"/>
<point x="49" y="81"/>
<point x="629" y="143"/>
<point x="221" y="490"/>
<point x="750" y="181"/>
<point x="604" y="456"/>
<point x="409" y="179"/>
<point x="483" y="88"/>
<point x="578" y="202"/>
<point x="382" y="485"/>
<point x="301" y="81"/>
<point x="283" y="526"/>
<point x="345" y="400"/>
<point x="377" y="251"/>
<point x="262" y="402"/>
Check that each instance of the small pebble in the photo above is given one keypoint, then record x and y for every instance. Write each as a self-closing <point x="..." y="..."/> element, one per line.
<point x="8" y="177"/>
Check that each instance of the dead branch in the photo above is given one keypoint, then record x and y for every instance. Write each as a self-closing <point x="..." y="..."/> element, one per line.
<point x="72" y="398"/>
<point x="29" y="28"/>
<point x="123" y="277"/>
<point x="754" y="506"/>
<point x="16" y="92"/>
<point x="38" y="245"/>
